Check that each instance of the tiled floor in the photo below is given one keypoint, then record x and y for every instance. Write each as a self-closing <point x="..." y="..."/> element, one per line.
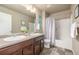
<point x="56" y="51"/>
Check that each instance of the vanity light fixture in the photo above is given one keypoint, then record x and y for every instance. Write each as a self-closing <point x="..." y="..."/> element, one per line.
<point x="30" y="8"/>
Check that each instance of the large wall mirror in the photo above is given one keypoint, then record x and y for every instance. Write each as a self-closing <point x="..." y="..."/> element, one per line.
<point x="5" y="23"/>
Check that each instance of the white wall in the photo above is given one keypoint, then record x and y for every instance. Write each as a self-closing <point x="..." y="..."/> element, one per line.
<point x="5" y="23"/>
<point x="63" y="33"/>
<point x="62" y="14"/>
<point x="43" y="20"/>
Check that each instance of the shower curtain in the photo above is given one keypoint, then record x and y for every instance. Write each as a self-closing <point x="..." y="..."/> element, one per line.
<point x="50" y="31"/>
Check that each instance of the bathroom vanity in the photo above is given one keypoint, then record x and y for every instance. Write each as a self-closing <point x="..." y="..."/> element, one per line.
<point x="32" y="45"/>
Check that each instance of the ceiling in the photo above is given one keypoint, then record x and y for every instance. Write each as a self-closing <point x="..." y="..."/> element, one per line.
<point x="18" y="8"/>
<point x="51" y="8"/>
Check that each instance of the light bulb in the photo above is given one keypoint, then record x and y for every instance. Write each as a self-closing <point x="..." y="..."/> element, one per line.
<point x="28" y="7"/>
<point x="33" y="10"/>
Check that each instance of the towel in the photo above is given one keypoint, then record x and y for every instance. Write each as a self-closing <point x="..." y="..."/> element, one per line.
<point x="74" y="30"/>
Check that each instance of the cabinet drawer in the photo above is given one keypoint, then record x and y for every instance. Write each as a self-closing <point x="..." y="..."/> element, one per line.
<point x="39" y="38"/>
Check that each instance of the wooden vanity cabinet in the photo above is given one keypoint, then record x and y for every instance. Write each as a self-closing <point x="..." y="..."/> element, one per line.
<point x="29" y="47"/>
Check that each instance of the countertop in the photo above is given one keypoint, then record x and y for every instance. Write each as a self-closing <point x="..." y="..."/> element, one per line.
<point x="8" y="43"/>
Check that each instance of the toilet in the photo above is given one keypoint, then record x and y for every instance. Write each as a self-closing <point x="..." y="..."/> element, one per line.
<point x="46" y="43"/>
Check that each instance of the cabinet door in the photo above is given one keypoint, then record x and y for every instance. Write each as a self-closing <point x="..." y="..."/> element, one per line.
<point x="11" y="49"/>
<point x="18" y="52"/>
<point x="37" y="47"/>
<point x="28" y="50"/>
<point x="42" y="44"/>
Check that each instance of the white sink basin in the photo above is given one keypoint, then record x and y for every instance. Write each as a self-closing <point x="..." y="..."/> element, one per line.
<point x="14" y="38"/>
<point x="35" y="34"/>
